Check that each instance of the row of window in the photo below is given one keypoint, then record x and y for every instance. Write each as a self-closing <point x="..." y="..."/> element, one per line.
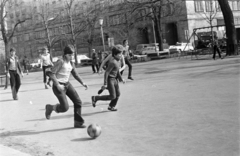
<point x="41" y="34"/>
<point x="211" y="5"/>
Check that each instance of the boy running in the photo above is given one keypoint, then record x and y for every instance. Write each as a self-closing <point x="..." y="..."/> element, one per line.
<point x="110" y="80"/>
<point x="60" y="74"/>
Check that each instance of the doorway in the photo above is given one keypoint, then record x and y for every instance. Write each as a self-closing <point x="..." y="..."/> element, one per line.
<point x="171" y="34"/>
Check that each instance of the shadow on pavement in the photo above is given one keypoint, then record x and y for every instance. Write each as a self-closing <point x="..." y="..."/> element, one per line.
<point x="31" y="132"/>
<point x="83" y="139"/>
<point x="67" y="116"/>
<point x="6" y="100"/>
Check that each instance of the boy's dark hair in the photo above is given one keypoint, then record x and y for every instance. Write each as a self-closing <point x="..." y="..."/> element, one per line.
<point x="12" y="49"/>
<point x="69" y="49"/>
<point x="124" y="41"/>
<point x="117" y="49"/>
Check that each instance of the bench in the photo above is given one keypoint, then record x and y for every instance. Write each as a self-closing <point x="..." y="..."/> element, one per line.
<point x="2" y="82"/>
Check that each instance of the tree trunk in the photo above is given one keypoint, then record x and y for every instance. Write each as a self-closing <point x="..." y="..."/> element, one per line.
<point x="230" y="28"/>
<point x="6" y="56"/>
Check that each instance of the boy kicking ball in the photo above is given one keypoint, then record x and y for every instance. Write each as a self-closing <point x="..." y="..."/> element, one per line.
<point x="110" y="80"/>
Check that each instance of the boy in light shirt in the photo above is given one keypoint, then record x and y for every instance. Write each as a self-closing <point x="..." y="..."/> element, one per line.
<point x="62" y="88"/>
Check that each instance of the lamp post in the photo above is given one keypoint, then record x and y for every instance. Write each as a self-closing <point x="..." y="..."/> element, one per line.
<point x="101" y="25"/>
<point x="153" y="26"/>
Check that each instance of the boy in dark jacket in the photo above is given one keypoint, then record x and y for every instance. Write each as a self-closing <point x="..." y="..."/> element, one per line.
<point x="110" y="80"/>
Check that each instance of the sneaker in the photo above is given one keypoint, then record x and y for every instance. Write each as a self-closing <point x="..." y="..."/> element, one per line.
<point x="48" y="111"/>
<point x="100" y="91"/>
<point x="93" y="101"/>
<point x="46" y="87"/>
<point x="112" y="108"/>
<point x="49" y="84"/>
<point x="79" y="125"/>
<point x="130" y="78"/>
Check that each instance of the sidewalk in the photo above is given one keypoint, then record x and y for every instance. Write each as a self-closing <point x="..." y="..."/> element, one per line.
<point x="177" y="107"/>
<point x="7" y="151"/>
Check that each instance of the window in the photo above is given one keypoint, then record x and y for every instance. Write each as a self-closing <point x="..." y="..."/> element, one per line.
<point x="234" y="5"/>
<point x="114" y="20"/>
<point x="209" y="6"/>
<point x="14" y="39"/>
<point x="198" y="6"/>
<point x="238" y="5"/>
<point x="26" y="37"/>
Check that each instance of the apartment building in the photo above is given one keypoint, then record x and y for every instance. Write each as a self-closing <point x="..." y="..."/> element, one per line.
<point x="31" y="35"/>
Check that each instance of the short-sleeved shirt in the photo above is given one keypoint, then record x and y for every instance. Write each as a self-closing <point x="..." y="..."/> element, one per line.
<point x="46" y="60"/>
<point x="12" y="65"/>
<point x="125" y="51"/>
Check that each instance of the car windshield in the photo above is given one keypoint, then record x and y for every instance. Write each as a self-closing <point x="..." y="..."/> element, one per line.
<point x="179" y="44"/>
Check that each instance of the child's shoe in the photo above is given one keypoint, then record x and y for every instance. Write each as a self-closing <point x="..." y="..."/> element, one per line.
<point x="46" y="87"/>
<point x="93" y="101"/>
<point x="49" y="84"/>
<point x="49" y="109"/>
<point x="79" y="124"/>
<point x="100" y="91"/>
<point x="112" y="108"/>
<point x="130" y="78"/>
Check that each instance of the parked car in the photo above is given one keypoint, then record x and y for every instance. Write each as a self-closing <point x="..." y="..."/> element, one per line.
<point x="36" y="63"/>
<point x="180" y="47"/>
<point x="144" y="49"/>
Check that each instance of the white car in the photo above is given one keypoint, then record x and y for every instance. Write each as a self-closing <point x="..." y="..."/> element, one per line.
<point x="180" y="47"/>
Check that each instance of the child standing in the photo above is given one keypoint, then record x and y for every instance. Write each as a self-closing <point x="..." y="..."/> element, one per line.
<point x="62" y="88"/>
<point x="126" y="58"/>
<point x="46" y="63"/>
<point x="14" y="71"/>
<point x="110" y="80"/>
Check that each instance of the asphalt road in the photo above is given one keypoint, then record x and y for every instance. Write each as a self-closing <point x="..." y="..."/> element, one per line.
<point x="174" y="107"/>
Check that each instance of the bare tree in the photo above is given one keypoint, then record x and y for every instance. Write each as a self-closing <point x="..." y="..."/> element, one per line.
<point x="156" y="11"/>
<point x="48" y="15"/>
<point x="230" y="28"/>
<point x="7" y="35"/>
<point x="210" y="14"/>
<point x="76" y="23"/>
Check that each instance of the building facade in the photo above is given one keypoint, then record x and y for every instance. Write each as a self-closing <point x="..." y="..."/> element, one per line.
<point x="31" y="35"/>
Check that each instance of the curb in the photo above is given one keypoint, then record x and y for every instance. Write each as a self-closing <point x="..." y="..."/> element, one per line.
<point x="7" y="151"/>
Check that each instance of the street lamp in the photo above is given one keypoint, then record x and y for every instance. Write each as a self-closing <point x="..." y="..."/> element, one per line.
<point x="153" y="26"/>
<point x="101" y="25"/>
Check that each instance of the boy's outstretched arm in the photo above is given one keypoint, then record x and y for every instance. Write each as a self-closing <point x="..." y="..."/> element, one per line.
<point x="77" y="76"/>
<point x="104" y="62"/>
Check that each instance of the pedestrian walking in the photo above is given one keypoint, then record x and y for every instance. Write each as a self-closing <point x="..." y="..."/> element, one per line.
<point x="94" y="61"/>
<point x="216" y="49"/>
<point x="127" y="59"/>
<point x="62" y="88"/>
<point x="25" y="64"/>
<point x="110" y="80"/>
<point x="46" y="62"/>
<point x="14" y="71"/>
<point x="100" y="58"/>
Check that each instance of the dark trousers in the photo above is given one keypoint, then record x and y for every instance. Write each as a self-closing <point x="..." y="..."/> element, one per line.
<point x="93" y="67"/>
<point x="114" y="92"/>
<point x="216" y="49"/>
<point x="73" y="96"/>
<point x="129" y="67"/>
<point x="15" y="82"/>
<point x="44" y="74"/>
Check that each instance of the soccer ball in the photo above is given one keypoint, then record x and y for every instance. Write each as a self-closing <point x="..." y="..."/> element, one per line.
<point x="94" y="130"/>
